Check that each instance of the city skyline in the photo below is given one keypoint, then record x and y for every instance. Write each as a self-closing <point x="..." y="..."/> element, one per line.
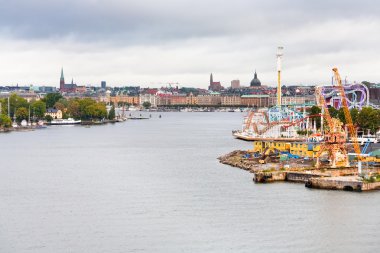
<point x="145" y="43"/>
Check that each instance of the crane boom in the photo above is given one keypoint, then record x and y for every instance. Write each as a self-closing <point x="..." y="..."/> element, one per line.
<point x="347" y="115"/>
<point x="322" y="104"/>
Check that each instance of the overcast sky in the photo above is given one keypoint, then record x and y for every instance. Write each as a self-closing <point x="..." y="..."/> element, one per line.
<point x="154" y="42"/>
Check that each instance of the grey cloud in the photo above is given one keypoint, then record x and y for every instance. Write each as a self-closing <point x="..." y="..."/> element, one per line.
<point x="149" y="21"/>
<point x="148" y="41"/>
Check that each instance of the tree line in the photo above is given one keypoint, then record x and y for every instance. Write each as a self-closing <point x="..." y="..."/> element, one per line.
<point x="366" y="119"/>
<point x="77" y="108"/>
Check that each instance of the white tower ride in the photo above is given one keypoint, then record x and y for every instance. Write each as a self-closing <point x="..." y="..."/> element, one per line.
<point x="279" y="57"/>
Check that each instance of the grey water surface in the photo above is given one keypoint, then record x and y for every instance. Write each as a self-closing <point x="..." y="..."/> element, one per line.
<point x="156" y="186"/>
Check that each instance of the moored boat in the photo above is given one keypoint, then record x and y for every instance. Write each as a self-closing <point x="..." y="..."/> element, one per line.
<point x="69" y="121"/>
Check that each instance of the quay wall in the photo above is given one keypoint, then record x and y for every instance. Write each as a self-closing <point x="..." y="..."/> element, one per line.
<point x="370" y="186"/>
<point x="330" y="184"/>
<point x="299" y="177"/>
<point x="267" y="177"/>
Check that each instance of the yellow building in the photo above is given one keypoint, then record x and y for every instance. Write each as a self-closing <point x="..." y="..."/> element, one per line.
<point x="54" y="113"/>
<point x="303" y="149"/>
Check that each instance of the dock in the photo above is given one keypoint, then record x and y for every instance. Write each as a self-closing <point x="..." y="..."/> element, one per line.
<point x="137" y="118"/>
<point x="343" y="178"/>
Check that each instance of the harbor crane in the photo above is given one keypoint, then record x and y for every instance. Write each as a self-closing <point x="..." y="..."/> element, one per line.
<point x="334" y="143"/>
<point x="335" y="138"/>
<point x="349" y="123"/>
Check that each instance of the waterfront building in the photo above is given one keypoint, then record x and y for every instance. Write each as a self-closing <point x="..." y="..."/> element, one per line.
<point x="303" y="149"/>
<point x="132" y="100"/>
<point x="211" y="99"/>
<point x="152" y="99"/>
<point x="163" y="99"/>
<point x="255" y="100"/>
<point x="230" y="100"/>
<point x="296" y="100"/>
<point x="191" y="99"/>
<point x="54" y="113"/>
<point x="178" y="99"/>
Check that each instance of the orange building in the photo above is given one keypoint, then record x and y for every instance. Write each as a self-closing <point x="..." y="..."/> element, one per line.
<point x="255" y="100"/>
<point x="191" y="99"/>
<point x="133" y="100"/>
<point x="179" y="99"/>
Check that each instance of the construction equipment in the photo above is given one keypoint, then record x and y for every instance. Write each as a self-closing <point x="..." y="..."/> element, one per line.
<point x="347" y="115"/>
<point x="334" y="139"/>
<point x="268" y="154"/>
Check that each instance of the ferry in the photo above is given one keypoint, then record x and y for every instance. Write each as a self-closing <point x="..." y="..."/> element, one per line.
<point x="69" y="121"/>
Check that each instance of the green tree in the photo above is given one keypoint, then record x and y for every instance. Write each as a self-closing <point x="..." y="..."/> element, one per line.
<point x="48" y="118"/>
<point x="86" y="108"/>
<point x="354" y="115"/>
<point x="111" y="114"/>
<point x="334" y="113"/>
<point x="51" y="98"/>
<point x="38" y="109"/>
<point x="59" y="106"/>
<point x="73" y="108"/>
<point x="146" y="105"/>
<point x="21" y="113"/>
<point x="315" y="110"/>
<point x="341" y="116"/>
<point x="5" y="121"/>
<point x="15" y="102"/>
<point x="63" y="101"/>
<point x="369" y="118"/>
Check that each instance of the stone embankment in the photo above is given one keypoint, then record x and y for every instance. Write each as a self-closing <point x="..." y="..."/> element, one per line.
<point x="300" y="172"/>
<point x="236" y="159"/>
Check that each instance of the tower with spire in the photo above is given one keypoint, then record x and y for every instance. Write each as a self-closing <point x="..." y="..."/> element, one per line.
<point x="62" y="81"/>
<point x="67" y="87"/>
<point x="255" y="81"/>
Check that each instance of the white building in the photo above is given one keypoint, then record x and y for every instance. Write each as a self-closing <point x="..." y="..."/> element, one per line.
<point x="152" y="99"/>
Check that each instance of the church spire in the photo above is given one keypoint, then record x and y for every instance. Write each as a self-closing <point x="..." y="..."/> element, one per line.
<point x="62" y="81"/>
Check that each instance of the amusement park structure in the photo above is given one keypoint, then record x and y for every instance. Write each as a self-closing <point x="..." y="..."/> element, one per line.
<point x="290" y="123"/>
<point x="279" y="57"/>
<point x="356" y="96"/>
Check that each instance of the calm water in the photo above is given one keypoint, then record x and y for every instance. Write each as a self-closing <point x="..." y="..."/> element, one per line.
<point x="156" y="186"/>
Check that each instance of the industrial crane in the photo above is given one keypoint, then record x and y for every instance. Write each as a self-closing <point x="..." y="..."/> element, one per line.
<point x="347" y="115"/>
<point x="334" y="139"/>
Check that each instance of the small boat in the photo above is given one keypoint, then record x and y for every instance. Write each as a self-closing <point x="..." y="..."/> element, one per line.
<point x="69" y="121"/>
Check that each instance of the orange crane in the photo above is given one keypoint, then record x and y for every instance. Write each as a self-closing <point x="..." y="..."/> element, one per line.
<point x="347" y="115"/>
<point x="334" y="139"/>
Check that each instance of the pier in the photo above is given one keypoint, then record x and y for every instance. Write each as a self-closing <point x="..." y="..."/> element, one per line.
<point x="346" y="179"/>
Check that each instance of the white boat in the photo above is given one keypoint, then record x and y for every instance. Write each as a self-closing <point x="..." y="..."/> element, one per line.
<point x="69" y="121"/>
<point x="133" y="108"/>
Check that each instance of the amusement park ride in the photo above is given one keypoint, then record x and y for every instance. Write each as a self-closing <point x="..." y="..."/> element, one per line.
<point x="285" y="124"/>
<point x="281" y="123"/>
